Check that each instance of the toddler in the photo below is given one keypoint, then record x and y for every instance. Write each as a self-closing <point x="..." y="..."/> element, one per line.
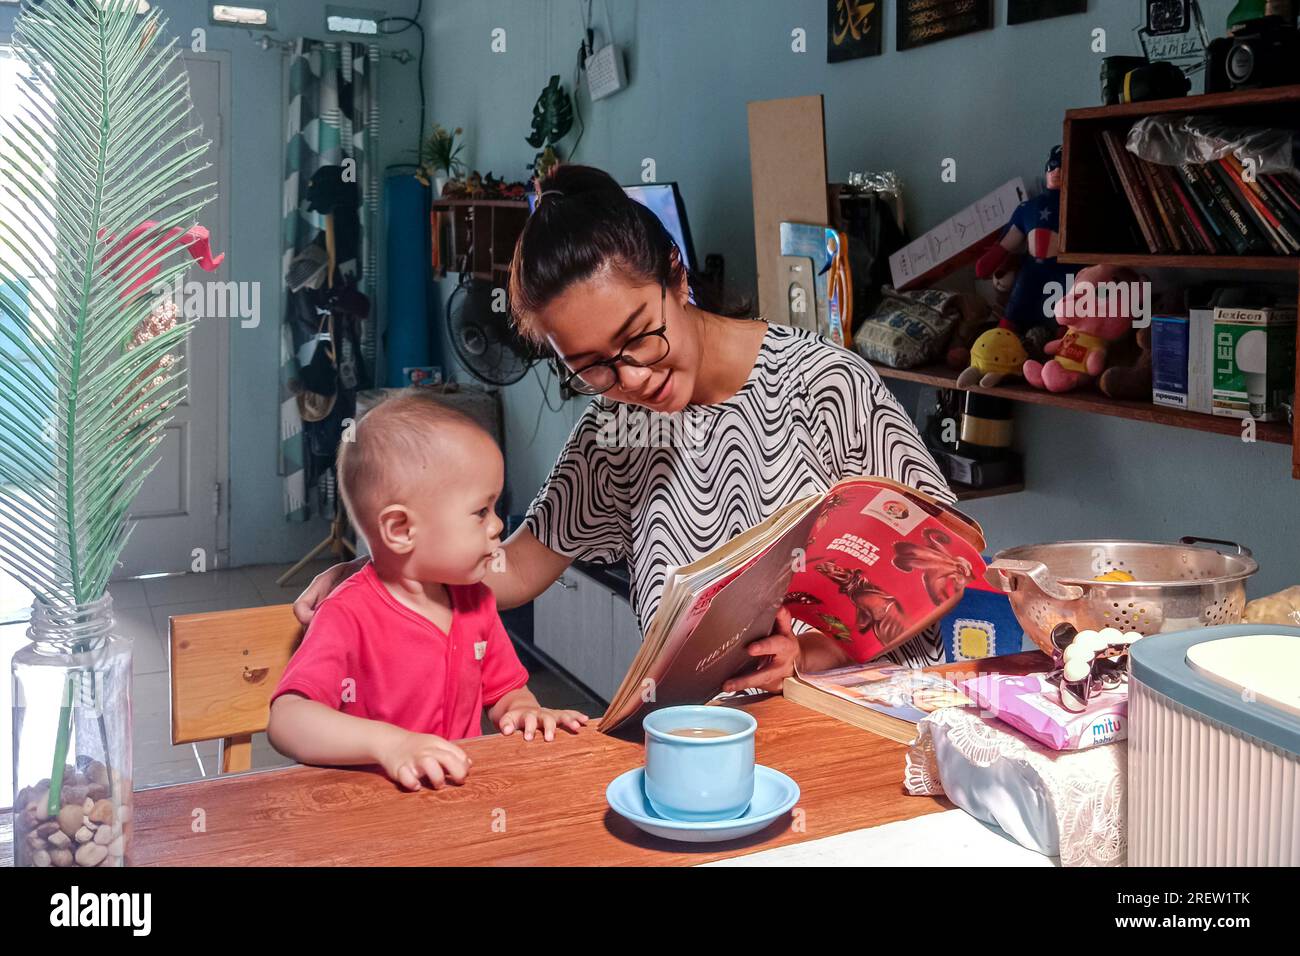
<point x="402" y="658"/>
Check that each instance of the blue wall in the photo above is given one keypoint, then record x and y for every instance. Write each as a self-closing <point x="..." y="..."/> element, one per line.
<point x="258" y="532"/>
<point x="993" y="101"/>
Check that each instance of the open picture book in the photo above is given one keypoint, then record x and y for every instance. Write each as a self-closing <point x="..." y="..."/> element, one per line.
<point x="870" y="563"/>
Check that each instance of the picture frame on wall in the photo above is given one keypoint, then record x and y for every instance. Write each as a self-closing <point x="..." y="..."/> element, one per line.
<point x="921" y="22"/>
<point x="853" y="29"/>
<point x="1026" y="11"/>
<point x="1174" y="31"/>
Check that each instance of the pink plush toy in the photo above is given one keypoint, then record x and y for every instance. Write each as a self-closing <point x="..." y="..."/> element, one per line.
<point x="1099" y="309"/>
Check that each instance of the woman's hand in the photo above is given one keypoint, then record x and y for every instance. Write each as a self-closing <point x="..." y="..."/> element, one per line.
<point x="321" y="585"/>
<point x="783" y="651"/>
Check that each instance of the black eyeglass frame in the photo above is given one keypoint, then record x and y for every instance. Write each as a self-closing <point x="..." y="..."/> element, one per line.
<point x="575" y="375"/>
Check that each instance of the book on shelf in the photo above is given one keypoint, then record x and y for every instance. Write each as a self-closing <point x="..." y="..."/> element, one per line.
<point x="1138" y="229"/>
<point x="1200" y="232"/>
<point x="1212" y="208"/>
<point x="1264" y="206"/>
<point x="1136" y="192"/>
<point x="1227" y="240"/>
<point x="1281" y="203"/>
<point x="869" y="563"/>
<point x="1256" y="243"/>
<point x="1164" y="218"/>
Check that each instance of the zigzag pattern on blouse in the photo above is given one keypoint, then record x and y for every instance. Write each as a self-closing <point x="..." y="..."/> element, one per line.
<point x="810" y="414"/>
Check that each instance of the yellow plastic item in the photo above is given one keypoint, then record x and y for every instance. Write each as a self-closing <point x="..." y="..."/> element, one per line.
<point x="1116" y="575"/>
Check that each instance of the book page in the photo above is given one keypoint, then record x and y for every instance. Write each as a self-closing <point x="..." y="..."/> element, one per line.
<point x="710" y="647"/>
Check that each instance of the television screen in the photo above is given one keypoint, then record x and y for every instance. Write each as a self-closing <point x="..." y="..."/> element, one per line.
<point x="665" y="201"/>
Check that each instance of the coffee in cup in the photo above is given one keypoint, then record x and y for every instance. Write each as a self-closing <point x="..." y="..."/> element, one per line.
<point x="699" y="762"/>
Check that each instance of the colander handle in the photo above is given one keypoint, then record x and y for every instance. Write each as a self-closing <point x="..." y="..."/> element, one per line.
<point x="1192" y="539"/>
<point x="1004" y="574"/>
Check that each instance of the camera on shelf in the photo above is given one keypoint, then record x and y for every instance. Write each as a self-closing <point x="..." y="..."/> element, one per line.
<point x="1130" y="79"/>
<point x="1262" y="52"/>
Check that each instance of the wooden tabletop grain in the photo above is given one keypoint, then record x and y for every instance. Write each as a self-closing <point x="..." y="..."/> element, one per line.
<point x="524" y="804"/>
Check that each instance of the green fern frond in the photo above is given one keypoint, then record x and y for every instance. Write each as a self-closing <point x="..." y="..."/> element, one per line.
<point x="102" y="140"/>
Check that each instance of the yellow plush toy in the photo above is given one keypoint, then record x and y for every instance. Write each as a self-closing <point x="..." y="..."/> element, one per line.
<point x="995" y="355"/>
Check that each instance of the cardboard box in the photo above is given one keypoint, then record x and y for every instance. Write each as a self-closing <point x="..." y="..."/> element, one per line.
<point x="1181" y="361"/>
<point x="1169" y="361"/>
<point x="1254" y="361"/>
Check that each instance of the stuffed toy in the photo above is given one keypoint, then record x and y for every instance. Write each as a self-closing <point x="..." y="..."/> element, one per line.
<point x="1031" y="234"/>
<point x="975" y="321"/>
<point x="995" y="355"/>
<point x="1095" y="317"/>
<point x="1131" y="380"/>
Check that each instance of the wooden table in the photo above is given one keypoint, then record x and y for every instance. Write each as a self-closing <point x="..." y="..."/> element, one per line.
<point x="524" y="804"/>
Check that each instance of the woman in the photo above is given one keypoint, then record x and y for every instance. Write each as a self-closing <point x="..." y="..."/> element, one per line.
<point x="757" y="416"/>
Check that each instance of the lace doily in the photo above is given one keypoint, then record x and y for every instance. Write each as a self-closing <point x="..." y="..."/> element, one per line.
<point x="1084" y="788"/>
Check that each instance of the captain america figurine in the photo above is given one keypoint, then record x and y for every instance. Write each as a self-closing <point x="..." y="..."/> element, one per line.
<point x="1033" y="234"/>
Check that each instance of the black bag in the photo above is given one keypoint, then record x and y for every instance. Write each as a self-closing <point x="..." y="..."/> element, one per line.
<point x="874" y="236"/>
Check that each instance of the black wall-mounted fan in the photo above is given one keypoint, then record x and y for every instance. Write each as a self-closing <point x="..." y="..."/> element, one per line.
<point x="482" y="335"/>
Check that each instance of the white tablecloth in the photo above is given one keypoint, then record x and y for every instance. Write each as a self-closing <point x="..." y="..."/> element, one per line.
<point x="950" y="838"/>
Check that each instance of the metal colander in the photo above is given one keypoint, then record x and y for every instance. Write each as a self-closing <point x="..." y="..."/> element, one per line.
<point x="1174" y="586"/>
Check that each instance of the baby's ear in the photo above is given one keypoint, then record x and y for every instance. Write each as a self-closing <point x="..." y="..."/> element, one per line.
<point x="394" y="529"/>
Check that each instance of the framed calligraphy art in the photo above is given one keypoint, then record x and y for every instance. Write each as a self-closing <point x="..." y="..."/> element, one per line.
<point x="852" y="29"/>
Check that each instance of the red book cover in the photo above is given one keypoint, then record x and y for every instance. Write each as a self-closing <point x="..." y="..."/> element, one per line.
<point x="880" y="565"/>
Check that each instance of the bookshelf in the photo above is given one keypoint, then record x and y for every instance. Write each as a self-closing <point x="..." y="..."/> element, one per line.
<point x="1094" y="230"/>
<point x="479" y="234"/>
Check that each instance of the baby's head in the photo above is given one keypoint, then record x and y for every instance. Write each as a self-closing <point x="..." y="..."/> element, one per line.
<point x="420" y="481"/>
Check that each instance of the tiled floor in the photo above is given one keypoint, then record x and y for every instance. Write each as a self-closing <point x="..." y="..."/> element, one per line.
<point x="142" y="609"/>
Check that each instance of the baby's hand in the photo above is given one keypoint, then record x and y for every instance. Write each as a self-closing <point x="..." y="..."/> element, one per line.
<point x="411" y="756"/>
<point x="527" y="718"/>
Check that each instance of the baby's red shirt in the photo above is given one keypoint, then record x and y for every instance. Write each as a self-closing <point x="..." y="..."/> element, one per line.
<point x="368" y="655"/>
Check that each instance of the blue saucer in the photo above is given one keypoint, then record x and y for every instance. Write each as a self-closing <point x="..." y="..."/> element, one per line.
<point x="775" y="794"/>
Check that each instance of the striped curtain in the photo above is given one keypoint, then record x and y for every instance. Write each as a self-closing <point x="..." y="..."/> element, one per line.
<point x="333" y="115"/>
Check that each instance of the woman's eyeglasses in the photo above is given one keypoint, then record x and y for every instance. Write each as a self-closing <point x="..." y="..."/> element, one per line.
<point x="641" y="351"/>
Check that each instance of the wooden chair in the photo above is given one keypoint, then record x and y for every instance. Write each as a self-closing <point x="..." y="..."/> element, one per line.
<point x="224" y="665"/>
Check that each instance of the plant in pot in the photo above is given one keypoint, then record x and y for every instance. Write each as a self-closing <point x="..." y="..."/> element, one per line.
<point x="440" y="159"/>
<point x="552" y="120"/>
<point x="101" y="182"/>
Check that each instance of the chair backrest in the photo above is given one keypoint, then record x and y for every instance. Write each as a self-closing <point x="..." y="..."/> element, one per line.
<point x="224" y="665"/>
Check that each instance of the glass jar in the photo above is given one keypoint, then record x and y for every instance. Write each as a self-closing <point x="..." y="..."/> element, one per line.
<point x="72" y="738"/>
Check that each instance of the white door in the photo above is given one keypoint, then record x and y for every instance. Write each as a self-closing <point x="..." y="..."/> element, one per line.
<point x="180" y="513"/>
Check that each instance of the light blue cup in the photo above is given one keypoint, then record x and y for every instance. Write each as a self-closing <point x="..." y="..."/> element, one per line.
<point x="696" y="779"/>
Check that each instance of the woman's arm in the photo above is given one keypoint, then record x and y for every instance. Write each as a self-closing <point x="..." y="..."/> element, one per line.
<point x="304" y="608"/>
<point x="527" y="569"/>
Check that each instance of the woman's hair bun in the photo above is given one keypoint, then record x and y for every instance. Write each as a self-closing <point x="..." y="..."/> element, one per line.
<point x="570" y="180"/>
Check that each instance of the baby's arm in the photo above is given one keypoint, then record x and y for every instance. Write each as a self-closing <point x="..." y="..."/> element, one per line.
<point x="310" y="732"/>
